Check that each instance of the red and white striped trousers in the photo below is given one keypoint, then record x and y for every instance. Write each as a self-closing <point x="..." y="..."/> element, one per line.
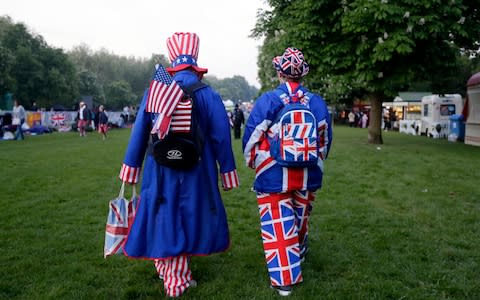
<point x="176" y="273"/>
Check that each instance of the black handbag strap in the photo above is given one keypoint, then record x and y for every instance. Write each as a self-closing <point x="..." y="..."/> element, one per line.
<point x="191" y="89"/>
<point x="190" y="92"/>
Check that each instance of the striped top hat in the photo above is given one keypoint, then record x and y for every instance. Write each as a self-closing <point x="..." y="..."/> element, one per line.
<point x="291" y="64"/>
<point x="183" y="52"/>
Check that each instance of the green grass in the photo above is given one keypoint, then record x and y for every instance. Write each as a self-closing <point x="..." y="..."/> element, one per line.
<point x="398" y="222"/>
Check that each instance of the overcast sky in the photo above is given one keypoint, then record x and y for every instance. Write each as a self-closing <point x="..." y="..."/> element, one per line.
<point x="141" y="27"/>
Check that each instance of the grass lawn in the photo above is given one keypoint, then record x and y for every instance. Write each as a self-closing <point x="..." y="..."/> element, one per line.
<point x="395" y="221"/>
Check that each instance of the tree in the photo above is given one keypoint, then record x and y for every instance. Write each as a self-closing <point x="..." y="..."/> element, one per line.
<point x="235" y="88"/>
<point x="119" y="94"/>
<point x="32" y="70"/>
<point x="88" y="86"/>
<point x="108" y="68"/>
<point x="7" y="82"/>
<point x="375" y="46"/>
<point x="59" y="79"/>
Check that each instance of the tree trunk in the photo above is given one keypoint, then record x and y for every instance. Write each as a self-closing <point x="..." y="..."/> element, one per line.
<point x="375" y="125"/>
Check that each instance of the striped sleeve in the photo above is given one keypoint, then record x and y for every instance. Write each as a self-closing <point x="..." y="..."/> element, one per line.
<point x="230" y="179"/>
<point x="129" y="174"/>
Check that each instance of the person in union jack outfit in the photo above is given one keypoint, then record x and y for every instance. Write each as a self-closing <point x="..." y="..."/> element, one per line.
<point x="285" y="194"/>
<point x="180" y="213"/>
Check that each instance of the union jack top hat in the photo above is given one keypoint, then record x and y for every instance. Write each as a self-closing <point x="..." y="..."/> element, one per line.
<point x="291" y="64"/>
<point x="183" y="52"/>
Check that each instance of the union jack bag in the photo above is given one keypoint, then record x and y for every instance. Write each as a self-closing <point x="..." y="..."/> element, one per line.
<point x="295" y="143"/>
<point x="120" y="218"/>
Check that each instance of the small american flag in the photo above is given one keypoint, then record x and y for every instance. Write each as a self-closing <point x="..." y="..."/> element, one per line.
<point x="163" y="96"/>
<point x="182" y="117"/>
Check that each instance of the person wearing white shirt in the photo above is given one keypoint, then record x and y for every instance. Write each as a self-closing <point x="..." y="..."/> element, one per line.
<point x="83" y="118"/>
<point x="18" y="119"/>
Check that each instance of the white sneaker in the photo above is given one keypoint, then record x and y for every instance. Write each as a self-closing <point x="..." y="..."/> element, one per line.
<point x="283" y="291"/>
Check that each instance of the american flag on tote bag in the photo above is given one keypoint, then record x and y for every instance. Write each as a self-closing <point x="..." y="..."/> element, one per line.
<point x="163" y="96"/>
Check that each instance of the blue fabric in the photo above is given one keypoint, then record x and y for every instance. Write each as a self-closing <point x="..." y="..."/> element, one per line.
<point x="301" y="136"/>
<point x="272" y="178"/>
<point x="181" y="212"/>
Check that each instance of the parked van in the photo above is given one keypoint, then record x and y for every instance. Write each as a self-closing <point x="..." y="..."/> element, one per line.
<point x="436" y="112"/>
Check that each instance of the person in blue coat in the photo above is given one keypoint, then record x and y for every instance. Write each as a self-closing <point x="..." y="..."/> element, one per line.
<point x="180" y="213"/>
<point x="285" y="194"/>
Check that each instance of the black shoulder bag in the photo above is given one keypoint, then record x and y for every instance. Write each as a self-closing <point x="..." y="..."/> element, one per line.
<point x="181" y="150"/>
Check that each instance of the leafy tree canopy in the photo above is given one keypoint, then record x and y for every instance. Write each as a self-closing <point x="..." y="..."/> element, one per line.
<point x="32" y="70"/>
<point x="377" y="47"/>
<point x="109" y="73"/>
<point x="235" y="88"/>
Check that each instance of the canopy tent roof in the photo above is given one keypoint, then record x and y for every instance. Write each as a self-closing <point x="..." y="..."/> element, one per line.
<point x="411" y="96"/>
<point x="474" y="80"/>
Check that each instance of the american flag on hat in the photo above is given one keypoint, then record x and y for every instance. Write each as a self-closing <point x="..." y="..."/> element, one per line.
<point x="163" y="96"/>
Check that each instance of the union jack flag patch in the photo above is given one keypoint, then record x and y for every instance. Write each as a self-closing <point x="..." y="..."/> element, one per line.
<point x="280" y="241"/>
<point x="120" y="218"/>
<point x="296" y="143"/>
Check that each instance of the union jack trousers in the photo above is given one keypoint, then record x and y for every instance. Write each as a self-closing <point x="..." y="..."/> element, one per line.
<point x="284" y="228"/>
<point x="176" y="274"/>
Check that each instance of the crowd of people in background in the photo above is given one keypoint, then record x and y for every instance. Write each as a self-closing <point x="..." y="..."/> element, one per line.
<point x="22" y="121"/>
<point x="90" y="118"/>
<point x="97" y="119"/>
<point x="389" y="119"/>
<point x="358" y="118"/>
<point x="361" y="118"/>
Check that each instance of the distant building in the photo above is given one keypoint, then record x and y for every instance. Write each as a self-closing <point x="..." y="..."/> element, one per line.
<point x="407" y="105"/>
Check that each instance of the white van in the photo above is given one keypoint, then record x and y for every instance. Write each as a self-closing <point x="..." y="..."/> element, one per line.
<point x="436" y="112"/>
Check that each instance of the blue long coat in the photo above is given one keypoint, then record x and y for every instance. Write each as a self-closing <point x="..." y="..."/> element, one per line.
<point x="181" y="212"/>
<point x="270" y="177"/>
